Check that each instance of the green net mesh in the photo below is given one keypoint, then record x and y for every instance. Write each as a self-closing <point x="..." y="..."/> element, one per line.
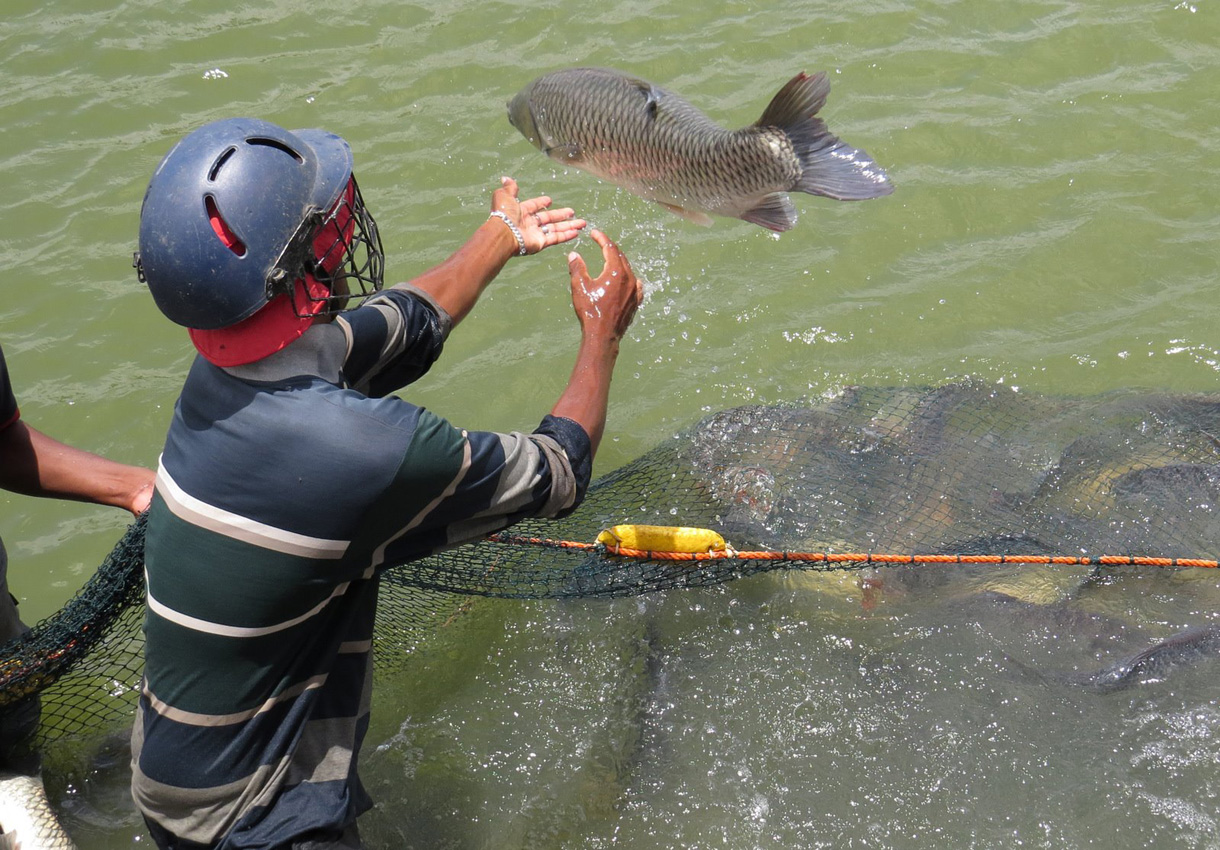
<point x="963" y="468"/>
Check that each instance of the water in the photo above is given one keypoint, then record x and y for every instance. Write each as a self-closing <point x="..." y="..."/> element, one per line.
<point x="1052" y="230"/>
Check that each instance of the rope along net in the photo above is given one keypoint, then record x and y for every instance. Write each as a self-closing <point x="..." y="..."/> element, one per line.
<point x="959" y="470"/>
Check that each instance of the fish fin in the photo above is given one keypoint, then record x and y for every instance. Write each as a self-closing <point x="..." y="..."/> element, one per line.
<point x="8" y="841"/>
<point x="698" y="217"/>
<point x="774" y="212"/>
<point x="801" y="97"/>
<point x="829" y="166"/>
<point x="652" y="97"/>
<point x="570" y="153"/>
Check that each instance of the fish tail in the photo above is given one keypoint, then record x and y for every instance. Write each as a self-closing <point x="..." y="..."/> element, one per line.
<point x="829" y="166"/>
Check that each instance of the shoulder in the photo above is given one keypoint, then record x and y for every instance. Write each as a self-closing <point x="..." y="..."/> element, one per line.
<point x="400" y="304"/>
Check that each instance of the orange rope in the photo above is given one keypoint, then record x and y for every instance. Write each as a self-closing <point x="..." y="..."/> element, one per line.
<point x="862" y="557"/>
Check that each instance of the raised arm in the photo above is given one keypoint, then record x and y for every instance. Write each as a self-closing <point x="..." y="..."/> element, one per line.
<point x="457" y="283"/>
<point x="37" y="465"/>
<point x="605" y="307"/>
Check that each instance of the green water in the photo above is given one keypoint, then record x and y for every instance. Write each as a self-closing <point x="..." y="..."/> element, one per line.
<point x="1052" y="229"/>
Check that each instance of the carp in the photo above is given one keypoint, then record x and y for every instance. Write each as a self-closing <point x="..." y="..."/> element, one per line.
<point x="654" y="143"/>
<point x="27" y="821"/>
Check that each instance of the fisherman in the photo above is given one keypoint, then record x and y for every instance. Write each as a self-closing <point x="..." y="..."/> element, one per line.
<point x="290" y="476"/>
<point x="34" y="464"/>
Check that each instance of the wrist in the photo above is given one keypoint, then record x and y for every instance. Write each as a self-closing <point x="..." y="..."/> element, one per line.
<point x="513" y="229"/>
<point x="139" y="500"/>
<point x="598" y="348"/>
<point x="595" y="338"/>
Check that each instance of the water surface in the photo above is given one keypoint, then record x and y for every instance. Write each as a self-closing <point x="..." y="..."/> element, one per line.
<point x="1052" y="229"/>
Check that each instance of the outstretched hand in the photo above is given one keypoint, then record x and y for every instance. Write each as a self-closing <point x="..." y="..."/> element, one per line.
<point x="540" y="226"/>
<point x="608" y="302"/>
<point x="605" y="306"/>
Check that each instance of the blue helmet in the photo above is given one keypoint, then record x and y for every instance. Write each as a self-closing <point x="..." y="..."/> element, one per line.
<point x="232" y="216"/>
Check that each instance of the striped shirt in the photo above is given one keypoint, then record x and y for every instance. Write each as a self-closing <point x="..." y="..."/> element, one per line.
<point x="284" y="486"/>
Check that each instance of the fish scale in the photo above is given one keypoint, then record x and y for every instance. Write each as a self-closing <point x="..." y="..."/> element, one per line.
<point x="27" y="821"/>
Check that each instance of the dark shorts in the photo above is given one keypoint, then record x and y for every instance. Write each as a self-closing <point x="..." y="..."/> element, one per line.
<point x="349" y="840"/>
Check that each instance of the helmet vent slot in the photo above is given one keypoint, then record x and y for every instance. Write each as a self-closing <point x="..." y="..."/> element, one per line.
<point x="278" y="145"/>
<point x="219" y="163"/>
<point x="222" y="229"/>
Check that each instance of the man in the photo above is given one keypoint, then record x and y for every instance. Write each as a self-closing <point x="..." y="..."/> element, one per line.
<point x="290" y="477"/>
<point x="37" y="465"/>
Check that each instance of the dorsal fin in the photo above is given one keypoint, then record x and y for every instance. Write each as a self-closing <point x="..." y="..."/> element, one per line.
<point x="651" y="95"/>
<point x="802" y="97"/>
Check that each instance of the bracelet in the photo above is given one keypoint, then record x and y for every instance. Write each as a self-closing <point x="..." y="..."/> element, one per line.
<point x="516" y="230"/>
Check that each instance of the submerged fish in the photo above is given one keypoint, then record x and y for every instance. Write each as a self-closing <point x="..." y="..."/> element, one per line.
<point x="26" y="819"/>
<point x="639" y="136"/>
<point x="1155" y="662"/>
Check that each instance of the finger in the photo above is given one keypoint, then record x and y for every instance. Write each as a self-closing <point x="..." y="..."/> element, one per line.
<point x="558" y="238"/>
<point x="544" y="217"/>
<point x="605" y="244"/>
<point x="510" y="184"/>
<point x="533" y="205"/>
<point x="570" y="226"/>
<point x="577" y="268"/>
<point x="611" y="252"/>
<point x="557" y="215"/>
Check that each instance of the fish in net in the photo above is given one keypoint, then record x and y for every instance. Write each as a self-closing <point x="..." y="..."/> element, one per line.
<point x="965" y="468"/>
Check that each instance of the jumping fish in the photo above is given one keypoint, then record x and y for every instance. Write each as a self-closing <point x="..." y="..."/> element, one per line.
<point x="652" y="142"/>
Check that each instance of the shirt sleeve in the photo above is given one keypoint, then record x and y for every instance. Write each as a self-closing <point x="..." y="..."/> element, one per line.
<point x="392" y="340"/>
<point x="8" y="402"/>
<point x="480" y="482"/>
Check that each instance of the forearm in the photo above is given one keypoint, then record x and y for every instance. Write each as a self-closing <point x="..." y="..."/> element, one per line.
<point x="586" y="397"/>
<point x="37" y="465"/>
<point x="457" y="283"/>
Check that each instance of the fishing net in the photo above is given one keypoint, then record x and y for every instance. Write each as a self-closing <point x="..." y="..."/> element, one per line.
<point x="964" y="469"/>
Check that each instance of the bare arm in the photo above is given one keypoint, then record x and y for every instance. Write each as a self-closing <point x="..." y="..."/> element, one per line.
<point x="37" y="465"/>
<point x="457" y="283"/>
<point x="605" y="307"/>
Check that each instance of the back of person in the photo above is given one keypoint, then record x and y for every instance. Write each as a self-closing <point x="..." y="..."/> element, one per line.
<point x="281" y="491"/>
<point x="290" y="476"/>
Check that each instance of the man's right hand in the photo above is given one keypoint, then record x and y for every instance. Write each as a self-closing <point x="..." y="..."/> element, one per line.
<point x="605" y="305"/>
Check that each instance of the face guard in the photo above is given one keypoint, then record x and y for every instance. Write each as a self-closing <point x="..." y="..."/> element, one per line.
<point x="337" y="253"/>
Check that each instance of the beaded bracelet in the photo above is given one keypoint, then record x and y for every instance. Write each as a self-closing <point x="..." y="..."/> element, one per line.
<point x="516" y="231"/>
